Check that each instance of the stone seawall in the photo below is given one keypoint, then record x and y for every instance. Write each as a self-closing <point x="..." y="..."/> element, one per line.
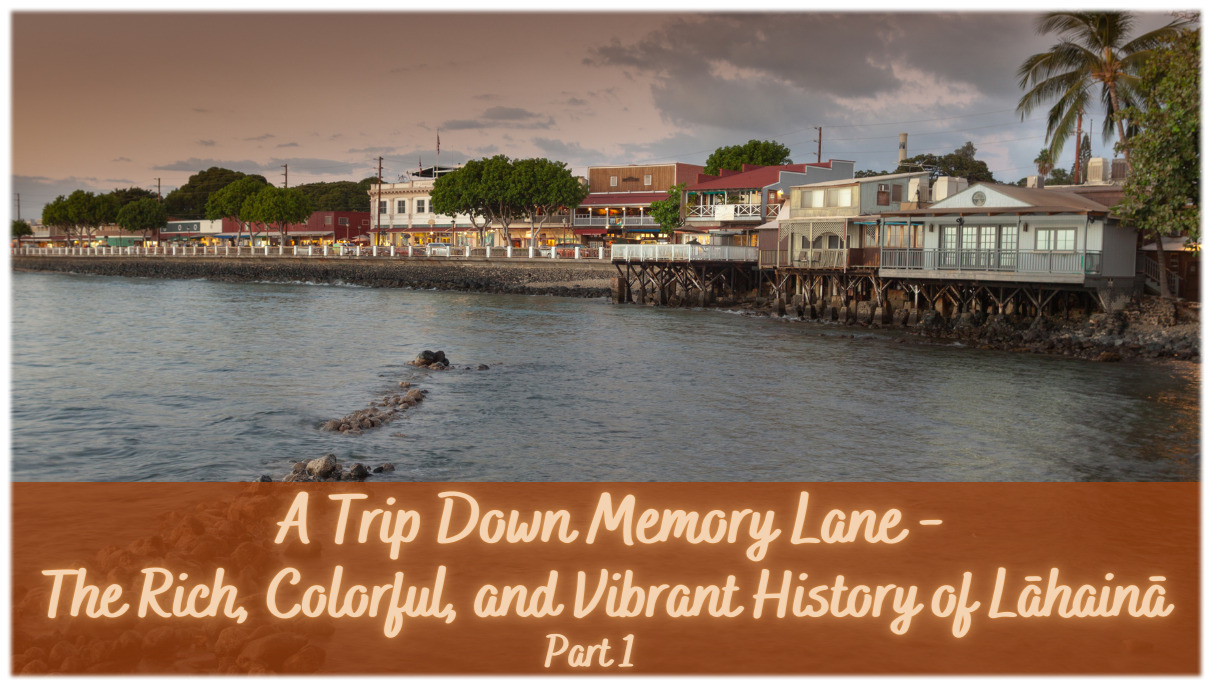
<point x="582" y="279"/>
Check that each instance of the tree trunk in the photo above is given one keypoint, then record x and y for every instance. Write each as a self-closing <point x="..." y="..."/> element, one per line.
<point x="1163" y="283"/>
<point x="1119" y="124"/>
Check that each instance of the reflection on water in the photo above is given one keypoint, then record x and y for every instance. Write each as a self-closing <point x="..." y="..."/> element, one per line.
<point x="140" y="379"/>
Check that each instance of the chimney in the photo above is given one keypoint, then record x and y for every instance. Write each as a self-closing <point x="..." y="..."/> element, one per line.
<point x="1035" y="181"/>
<point x="903" y="151"/>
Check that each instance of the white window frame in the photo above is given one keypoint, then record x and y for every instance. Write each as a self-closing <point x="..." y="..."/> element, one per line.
<point x="614" y="181"/>
<point x="401" y="206"/>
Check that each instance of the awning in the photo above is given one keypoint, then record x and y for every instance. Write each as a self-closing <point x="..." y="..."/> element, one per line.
<point x="591" y="231"/>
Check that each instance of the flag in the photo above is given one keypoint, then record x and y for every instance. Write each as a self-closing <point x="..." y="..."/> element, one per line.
<point x="439" y="141"/>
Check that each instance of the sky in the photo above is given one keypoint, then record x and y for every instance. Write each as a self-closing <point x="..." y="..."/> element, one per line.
<point x="111" y="100"/>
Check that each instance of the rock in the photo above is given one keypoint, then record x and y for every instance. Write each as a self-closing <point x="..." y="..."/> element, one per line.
<point x="482" y="367"/>
<point x="265" y="478"/>
<point x="323" y="467"/>
<point x="385" y="467"/>
<point x="358" y="471"/>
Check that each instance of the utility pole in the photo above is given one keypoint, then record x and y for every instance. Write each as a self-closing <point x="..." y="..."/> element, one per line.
<point x="285" y="178"/>
<point x="18" y="207"/>
<point x="379" y="198"/>
<point x="818" y="145"/>
<point x="158" y="196"/>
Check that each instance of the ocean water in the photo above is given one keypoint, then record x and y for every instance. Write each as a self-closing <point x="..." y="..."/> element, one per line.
<point x="118" y="379"/>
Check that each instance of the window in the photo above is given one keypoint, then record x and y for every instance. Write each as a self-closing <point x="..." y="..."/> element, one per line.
<point x="1055" y="239"/>
<point x="648" y="180"/>
<point x="883" y="196"/>
<point x="382" y="207"/>
<point x="328" y="220"/>
<point x="402" y="206"/>
<point x="898" y="193"/>
<point x="343" y="221"/>
<point x="1009" y="238"/>
<point x="614" y="181"/>
<point x="421" y="203"/>
<point x="988" y="238"/>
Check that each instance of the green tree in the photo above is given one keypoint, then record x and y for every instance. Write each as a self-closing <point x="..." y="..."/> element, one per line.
<point x="228" y="202"/>
<point x="668" y="212"/>
<point x="122" y="196"/>
<point x="485" y="190"/>
<point x="57" y="215"/>
<point x="277" y="207"/>
<point x="1060" y="177"/>
<point x="86" y="210"/>
<point x="143" y="216"/>
<point x="338" y="196"/>
<point x="754" y="152"/>
<point x="189" y="201"/>
<point x="1044" y="163"/>
<point x="1095" y="48"/>
<point x="1161" y="193"/>
<point x="21" y="228"/>
<point x="544" y="188"/>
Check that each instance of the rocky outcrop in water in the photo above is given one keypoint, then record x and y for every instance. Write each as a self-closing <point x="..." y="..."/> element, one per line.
<point x="327" y="468"/>
<point x="377" y="414"/>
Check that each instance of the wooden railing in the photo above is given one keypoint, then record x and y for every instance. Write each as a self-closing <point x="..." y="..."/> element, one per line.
<point x="1024" y="261"/>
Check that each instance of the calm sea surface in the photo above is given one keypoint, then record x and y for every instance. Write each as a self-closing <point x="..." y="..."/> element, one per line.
<point x="142" y="379"/>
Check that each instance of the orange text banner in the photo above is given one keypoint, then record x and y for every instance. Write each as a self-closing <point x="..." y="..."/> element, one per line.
<point x="605" y="578"/>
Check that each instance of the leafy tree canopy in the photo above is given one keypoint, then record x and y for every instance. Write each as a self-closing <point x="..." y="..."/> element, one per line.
<point x="229" y="200"/>
<point x="754" y="152"/>
<point x="142" y="216"/>
<point x="1161" y="193"/>
<point x="961" y="163"/>
<point x="339" y="196"/>
<point x="545" y="187"/>
<point x="189" y="201"/>
<point x="21" y="228"/>
<point x="668" y="212"/>
<point x="122" y="196"/>
<point x="276" y="207"/>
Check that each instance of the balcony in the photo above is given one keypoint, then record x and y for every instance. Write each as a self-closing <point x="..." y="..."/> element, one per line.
<point x="727" y="212"/>
<point x="1007" y="262"/>
<point x="633" y="221"/>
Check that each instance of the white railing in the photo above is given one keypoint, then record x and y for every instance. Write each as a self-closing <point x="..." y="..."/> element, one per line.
<point x="683" y="252"/>
<point x="641" y="221"/>
<point x="726" y="211"/>
<point x="1149" y="267"/>
<point x="329" y="251"/>
<point x="1019" y="261"/>
<point x="824" y="258"/>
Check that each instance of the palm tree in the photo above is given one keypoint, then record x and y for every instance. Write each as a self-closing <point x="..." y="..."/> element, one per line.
<point x="1044" y="163"/>
<point x="1095" y="48"/>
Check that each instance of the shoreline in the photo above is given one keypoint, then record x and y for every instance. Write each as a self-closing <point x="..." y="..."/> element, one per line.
<point x="1149" y="328"/>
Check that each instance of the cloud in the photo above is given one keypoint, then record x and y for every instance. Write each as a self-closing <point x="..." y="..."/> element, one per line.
<point x="487" y="96"/>
<point x="499" y="117"/>
<point x="206" y="142"/>
<point x="195" y="164"/>
<point x="121" y="159"/>
<point x="576" y="102"/>
<point x="567" y="151"/>
<point x="37" y="191"/>
<point x="382" y="150"/>
<point x="201" y="110"/>
<point x="262" y="137"/>
<point x="841" y="68"/>
<point x="292" y="144"/>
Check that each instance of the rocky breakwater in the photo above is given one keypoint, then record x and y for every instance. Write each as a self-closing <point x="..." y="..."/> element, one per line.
<point x="378" y="413"/>
<point x="1148" y="327"/>
<point x="585" y="279"/>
